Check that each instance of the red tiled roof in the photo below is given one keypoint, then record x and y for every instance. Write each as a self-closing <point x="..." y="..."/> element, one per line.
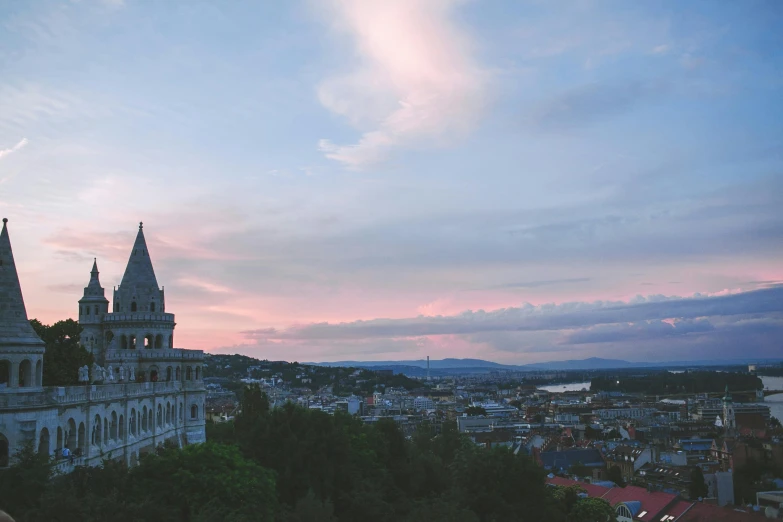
<point x="710" y="513"/>
<point x="653" y="503"/>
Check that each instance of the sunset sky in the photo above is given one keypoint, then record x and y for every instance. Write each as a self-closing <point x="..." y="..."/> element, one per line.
<point x="330" y="180"/>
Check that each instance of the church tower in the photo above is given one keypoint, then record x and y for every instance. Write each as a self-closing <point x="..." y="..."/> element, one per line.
<point x="21" y="350"/>
<point x="729" y="422"/>
<point x="92" y="308"/>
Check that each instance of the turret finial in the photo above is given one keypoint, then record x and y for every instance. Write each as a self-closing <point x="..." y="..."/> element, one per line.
<point x="5" y="220"/>
<point x="141" y="225"/>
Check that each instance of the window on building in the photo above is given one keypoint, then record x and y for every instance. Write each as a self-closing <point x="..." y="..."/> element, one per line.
<point x="133" y="306"/>
<point x="152" y="307"/>
<point x="194" y="412"/>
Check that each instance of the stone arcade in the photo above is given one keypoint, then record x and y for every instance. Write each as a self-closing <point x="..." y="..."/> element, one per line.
<point x="140" y="392"/>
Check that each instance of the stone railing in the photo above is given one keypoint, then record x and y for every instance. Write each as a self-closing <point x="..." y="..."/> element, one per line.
<point x="66" y="395"/>
<point x="118" y="317"/>
<point x="142" y="354"/>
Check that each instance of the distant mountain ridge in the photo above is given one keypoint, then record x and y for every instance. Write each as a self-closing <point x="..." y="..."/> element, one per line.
<point x="480" y="365"/>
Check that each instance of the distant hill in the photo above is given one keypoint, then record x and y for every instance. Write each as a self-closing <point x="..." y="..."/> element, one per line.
<point x="464" y="366"/>
<point x="421" y="363"/>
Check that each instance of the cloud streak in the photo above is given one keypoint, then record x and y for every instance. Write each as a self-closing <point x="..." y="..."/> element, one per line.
<point x="18" y="146"/>
<point x="544" y="317"/>
<point x="415" y="79"/>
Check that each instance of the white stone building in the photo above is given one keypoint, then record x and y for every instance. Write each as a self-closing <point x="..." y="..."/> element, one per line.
<point x="140" y="392"/>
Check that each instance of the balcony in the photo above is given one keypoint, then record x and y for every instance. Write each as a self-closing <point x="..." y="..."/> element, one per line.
<point x="121" y="317"/>
<point x="166" y="354"/>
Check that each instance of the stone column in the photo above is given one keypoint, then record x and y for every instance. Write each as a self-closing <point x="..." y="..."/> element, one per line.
<point x="14" y="381"/>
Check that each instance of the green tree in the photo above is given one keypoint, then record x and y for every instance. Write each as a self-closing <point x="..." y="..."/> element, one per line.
<point x="501" y="487"/>
<point x="592" y="510"/>
<point x="697" y="487"/>
<point x="23" y="483"/>
<point x="207" y="476"/>
<point x="64" y="354"/>
<point x="475" y="410"/>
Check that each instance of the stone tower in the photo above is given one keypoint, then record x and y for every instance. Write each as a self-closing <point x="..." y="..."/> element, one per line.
<point x="92" y="308"/>
<point x="729" y="422"/>
<point x="21" y="350"/>
<point x="138" y="319"/>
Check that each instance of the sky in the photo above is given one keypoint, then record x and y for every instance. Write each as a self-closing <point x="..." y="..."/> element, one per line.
<point x="321" y="180"/>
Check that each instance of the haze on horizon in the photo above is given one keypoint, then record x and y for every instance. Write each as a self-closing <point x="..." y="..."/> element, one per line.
<point x="369" y="180"/>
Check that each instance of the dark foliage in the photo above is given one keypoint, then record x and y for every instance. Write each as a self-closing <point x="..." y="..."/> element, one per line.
<point x="64" y="355"/>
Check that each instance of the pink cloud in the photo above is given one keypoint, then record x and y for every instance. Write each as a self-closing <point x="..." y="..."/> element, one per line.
<point x="415" y="78"/>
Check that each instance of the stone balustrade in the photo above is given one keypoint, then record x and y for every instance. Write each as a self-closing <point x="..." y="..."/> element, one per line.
<point x="66" y="395"/>
<point x="117" y="317"/>
<point x="144" y="354"/>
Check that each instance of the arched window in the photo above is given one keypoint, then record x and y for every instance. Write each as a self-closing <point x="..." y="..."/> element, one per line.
<point x="152" y="307"/>
<point x="623" y="511"/>
<point x="71" y="442"/>
<point x="154" y="375"/>
<point x="81" y="443"/>
<point x="124" y="342"/>
<point x="4" y="449"/>
<point x="121" y="431"/>
<point x="158" y="341"/>
<point x="159" y="418"/>
<point x="188" y="374"/>
<point x="25" y="374"/>
<point x="43" y="442"/>
<point x="96" y="309"/>
<point x="113" y="426"/>
<point x="116" y="307"/>
<point x="177" y="374"/>
<point x="198" y="371"/>
<point x="149" y="341"/>
<point x="171" y="341"/>
<point x="181" y="412"/>
<point x="168" y="413"/>
<point x="132" y="342"/>
<point x="5" y="374"/>
<point x="168" y="374"/>
<point x="194" y="412"/>
<point x="105" y="430"/>
<point x="144" y="419"/>
<point x="95" y="436"/>
<point x="39" y="373"/>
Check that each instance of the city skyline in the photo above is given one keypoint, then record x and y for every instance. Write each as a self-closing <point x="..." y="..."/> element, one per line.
<point x="370" y="181"/>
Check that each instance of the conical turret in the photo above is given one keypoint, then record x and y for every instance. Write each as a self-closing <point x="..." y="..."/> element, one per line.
<point x="15" y="329"/>
<point x="138" y="290"/>
<point x="139" y="272"/>
<point x="92" y="308"/>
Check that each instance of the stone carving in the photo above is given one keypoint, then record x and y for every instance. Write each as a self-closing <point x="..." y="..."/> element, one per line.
<point x="84" y="374"/>
<point x="122" y="373"/>
<point x="109" y="372"/>
<point x="132" y="374"/>
<point x="97" y="373"/>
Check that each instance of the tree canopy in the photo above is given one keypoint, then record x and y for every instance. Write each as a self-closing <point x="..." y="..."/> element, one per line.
<point x="64" y="355"/>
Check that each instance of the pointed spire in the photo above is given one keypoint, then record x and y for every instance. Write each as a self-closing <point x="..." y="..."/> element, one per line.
<point x="94" y="287"/>
<point x="15" y="329"/>
<point x="139" y="272"/>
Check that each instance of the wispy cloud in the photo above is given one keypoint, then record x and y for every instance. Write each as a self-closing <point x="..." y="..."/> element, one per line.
<point x="531" y="318"/>
<point x="415" y="80"/>
<point x="18" y="146"/>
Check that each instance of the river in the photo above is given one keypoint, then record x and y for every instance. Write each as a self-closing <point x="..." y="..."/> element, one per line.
<point x="775" y="402"/>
